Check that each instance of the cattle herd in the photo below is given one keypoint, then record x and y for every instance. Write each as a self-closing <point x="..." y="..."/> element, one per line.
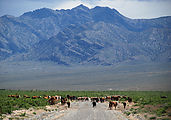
<point x="113" y="100"/>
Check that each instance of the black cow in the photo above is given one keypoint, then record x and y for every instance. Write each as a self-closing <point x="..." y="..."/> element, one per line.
<point x="68" y="103"/>
<point x="94" y="104"/>
<point x="124" y="104"/>
<point x="129" y="99"/>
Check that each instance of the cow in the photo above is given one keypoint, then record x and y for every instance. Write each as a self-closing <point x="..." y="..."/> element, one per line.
<point x="9" y="95"/>
<point x="108" y="98"/>
<point x="79" y="98"/>
<point x="34" y="97"/>
<point x="63" y="100"/>
<point x="52" y="100"/>
<point x="124" y="97"/>
<point x="83" y="98"/>
<point x="163" y="97"/>
<point x="68" y="103"/>
<point x="58" y="97"/>
<point x="46" y="97"/>
<point x="102" y="99"/>
<point x="68" y="96"/>
<point x="94" y="99"/>
<point x="94" y="103"/>
<point x="26" y="96"/>
<point x="73" y="98"/>
<point x="129" y="99"/>
<point x="112" y="103"/>
<point x="115" y="98"/>
<point x="124" y="104"/>
<point x="86" y="99"/>
<point x="14" y="96"/>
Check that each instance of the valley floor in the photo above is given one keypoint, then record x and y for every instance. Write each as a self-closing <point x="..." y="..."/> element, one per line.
<point x="50" y="76"/>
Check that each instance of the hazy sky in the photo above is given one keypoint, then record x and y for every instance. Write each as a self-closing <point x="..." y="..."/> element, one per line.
<point x="129" y="8"/>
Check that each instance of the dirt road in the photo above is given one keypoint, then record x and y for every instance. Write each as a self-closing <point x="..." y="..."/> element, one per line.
<point x="83" y="111"/>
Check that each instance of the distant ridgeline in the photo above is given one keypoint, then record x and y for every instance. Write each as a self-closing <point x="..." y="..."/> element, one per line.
<point x="98" y="36"/>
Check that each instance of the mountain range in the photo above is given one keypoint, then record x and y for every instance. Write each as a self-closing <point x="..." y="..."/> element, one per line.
<point x="97" y="36"/>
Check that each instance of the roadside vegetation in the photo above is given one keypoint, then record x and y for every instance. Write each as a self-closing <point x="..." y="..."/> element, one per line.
<point x="152" y="104"/>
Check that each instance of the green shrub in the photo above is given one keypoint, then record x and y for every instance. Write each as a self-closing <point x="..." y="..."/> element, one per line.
<point x="22" y="114"/>
<point x="169" y="114"/>
<point x="145" y="116"/>
<point x="134" y="112"/>
<point x="152" y="118"/>
<point x="160" y="111"/>
<point x="131" y="109"/>
<point x="127" y="113"/>
<point x="34" y="113"/>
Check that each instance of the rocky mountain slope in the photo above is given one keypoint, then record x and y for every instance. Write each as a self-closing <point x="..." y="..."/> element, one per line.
<point x="100" y="36"/>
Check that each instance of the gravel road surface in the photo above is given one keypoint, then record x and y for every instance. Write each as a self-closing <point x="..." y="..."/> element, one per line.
<point x="83" y="111"/>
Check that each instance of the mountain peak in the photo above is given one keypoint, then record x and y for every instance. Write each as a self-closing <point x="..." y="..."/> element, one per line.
<point x="81" y="6"/>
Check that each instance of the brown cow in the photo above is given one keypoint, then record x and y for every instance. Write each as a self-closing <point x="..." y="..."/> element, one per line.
<point x="95" y="99"/>
<point x="52" y="100"/>
<point x="46" y="97"/>
<point x="26" y="96"/>
<point x="116" y="98"/>
<point x="79" y="98"/>
<point x="113" y="103"/>
<point x="83" y="98"/>
<point x="108" y="98"/>
<point x="124" y="97"/>
<point x="63" y="100"/>
<point x="34" y="97"/>
<point x="102" y="99"/>
<point x="9" y="95"/>
<point x="14" y="96"/>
